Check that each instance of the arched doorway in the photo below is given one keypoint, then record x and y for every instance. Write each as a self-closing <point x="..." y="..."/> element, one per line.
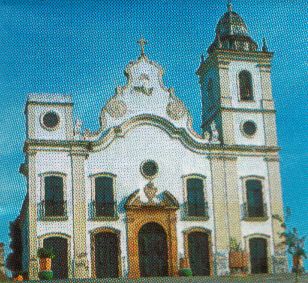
<point x="59" y="264"/>
<point x="198" y="252"/>
<point x="258" y="255"/>
<point x="106" y="255"/>
<point x="153" y="250"/>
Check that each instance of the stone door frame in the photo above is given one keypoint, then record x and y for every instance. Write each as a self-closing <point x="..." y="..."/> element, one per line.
<point x="136" y="218"/>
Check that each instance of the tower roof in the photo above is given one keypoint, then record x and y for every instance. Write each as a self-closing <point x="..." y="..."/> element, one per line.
<point x="232" y="33"/>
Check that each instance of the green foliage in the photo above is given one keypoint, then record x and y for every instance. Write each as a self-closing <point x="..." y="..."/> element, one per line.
<point x="295" y="243"/>
<point x="14" y="259"/>
<point x="234" y="245"/>
<point x="187" y="272"/>
<point x="45" y="253"/>
<point x="45" y="275"/>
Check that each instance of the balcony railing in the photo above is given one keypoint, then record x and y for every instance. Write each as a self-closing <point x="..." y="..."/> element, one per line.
<point x="52" y="210"/>
<point x="251" y="213"/>
<point x="196" y="211"/>
<point x="103" y="210"/>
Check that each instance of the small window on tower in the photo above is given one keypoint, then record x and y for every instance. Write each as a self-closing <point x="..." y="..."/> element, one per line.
<point x="245" y="81"/>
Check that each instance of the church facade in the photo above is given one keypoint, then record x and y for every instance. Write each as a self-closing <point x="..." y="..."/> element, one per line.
<point x="145" y="192"/>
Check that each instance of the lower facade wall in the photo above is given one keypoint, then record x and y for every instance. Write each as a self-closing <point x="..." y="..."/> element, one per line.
<point x="128" y="257"/>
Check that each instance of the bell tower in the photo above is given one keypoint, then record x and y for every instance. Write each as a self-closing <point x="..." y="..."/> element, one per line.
<point x="236" y="85"/>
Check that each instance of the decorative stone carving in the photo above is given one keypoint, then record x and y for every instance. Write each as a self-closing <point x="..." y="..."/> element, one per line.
<point x="144" y="90"/>
<point x="280" y="264"/>
<point x="176" y="109"/>
<point x="150" y="191"/>
<point x="116" y="108"/>
<point x="77" y="129"/>
<point x="206" y="135"/>
<point x="215" y="134"/>
<point x="222" y="263"/>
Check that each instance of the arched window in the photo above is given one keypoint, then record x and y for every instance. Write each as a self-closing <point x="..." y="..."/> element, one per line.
<point x="54" y="203"/>
<point x="104" y="203"/>
<point x="255" y="206"/>
<point x="245" y="82"/>
<point x="196" y="205"/>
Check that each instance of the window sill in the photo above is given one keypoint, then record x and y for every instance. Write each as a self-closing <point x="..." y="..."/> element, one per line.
<point x="256" y="219"/>
<point x="195" y="218"/>
<point x="105" y="218"/>
<point x="54" y="218"/>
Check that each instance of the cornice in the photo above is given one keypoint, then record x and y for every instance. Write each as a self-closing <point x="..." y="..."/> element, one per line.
<point x="222" y="58"/>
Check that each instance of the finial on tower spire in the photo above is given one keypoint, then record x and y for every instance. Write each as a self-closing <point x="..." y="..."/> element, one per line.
<point x="230" y="6"/>
<point x="142" y="42"/>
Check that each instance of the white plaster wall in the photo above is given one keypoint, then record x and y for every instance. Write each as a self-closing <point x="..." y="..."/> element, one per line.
<point x="248" y="166"/>
<point x="234" y="69"/>
<point x="240" y="138"/>
<point x="54" y="162"/>
<point x="124" y="157"/>
<point x="42" y="133"/>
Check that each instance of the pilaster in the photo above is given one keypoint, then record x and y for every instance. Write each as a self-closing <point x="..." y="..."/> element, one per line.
<point x="233" y="198"/>
<point x="225" y="102"/>
<point x="266" y="86"/>
<point x="69" y="123"/>
<point x="33" y="260"/>
<point x="279" y="258"/>
<point x="81" y="265"/>
<point x="270" y="129"/>
<point x="220" y="211"/>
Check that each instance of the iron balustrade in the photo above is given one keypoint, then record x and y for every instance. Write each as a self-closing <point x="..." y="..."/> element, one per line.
<point x="254" y="211"/>
<point x="103" y="209"/>
<point x="197" y="209"/>
<point x="51" y="208"/>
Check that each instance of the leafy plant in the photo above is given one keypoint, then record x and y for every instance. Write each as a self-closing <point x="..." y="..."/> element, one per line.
<point x="45" y="275"/>
<point x="295" y="244"/>
<point x="46" y="253"/>
<point x="234" y="245"/>
<point x="14" y="259"/>
<point x="187" y="272"/>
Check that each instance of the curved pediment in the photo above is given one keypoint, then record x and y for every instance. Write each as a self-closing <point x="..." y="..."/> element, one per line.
<point x="148" y="198"/>
<point x="189" y="139"/>
<point x="144" y="95"/>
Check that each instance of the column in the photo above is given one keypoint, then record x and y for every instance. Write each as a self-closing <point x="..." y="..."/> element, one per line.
<point x="280" y="264"/>
<point x="81" y="266"/>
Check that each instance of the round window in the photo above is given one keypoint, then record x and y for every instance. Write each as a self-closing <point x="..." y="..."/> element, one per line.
<point x="149" y="169"/>
<point x="249" y="128"/>
<point x="51" y="120"/>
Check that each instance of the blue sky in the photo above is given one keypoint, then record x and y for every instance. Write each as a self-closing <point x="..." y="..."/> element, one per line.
<point x="81" y="48"/>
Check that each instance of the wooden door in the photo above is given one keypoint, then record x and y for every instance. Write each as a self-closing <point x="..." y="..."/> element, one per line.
<point x="258" y="255"/>
<point x="153" y="253"/>
<point x="198" y="251"/>
<point x="106" y="255"/>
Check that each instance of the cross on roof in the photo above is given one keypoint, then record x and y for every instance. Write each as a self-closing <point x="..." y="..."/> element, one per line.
<point x="142" y="42"/>
<point x="230" y="6"/>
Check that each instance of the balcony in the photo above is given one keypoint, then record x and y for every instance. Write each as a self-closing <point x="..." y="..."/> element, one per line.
<point x="49" y="210"/>
<point x="196" y="211"/>
<point x="103" y="211"/>
<point x="254" y="213"/>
